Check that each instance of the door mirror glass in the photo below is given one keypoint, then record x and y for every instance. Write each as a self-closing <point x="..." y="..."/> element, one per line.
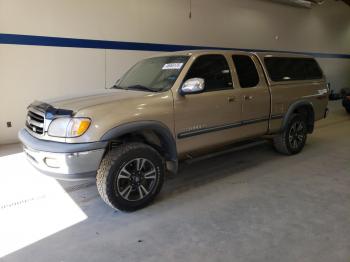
<point x="192" y="86"/>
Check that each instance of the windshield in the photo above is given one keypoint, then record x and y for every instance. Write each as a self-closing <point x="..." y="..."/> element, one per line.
<point x="153" y="74"/>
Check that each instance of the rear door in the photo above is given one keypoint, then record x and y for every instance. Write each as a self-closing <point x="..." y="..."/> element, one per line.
<point x="255" y="95"/>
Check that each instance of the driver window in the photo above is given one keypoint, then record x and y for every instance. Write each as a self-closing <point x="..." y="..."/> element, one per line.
<point x="214" y="70"/>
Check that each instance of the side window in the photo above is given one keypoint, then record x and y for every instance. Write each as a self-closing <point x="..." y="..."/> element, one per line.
<point x="289" y="68"/>
<point x="214" y="70"/>
<point x="247" y="74"/>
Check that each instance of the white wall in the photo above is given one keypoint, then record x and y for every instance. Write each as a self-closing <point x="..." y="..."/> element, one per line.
<point x="37" y="72"/>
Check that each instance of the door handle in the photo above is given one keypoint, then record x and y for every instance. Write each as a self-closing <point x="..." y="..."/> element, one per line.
<point x="231" y="99"/>
<point x="248" y="97"/>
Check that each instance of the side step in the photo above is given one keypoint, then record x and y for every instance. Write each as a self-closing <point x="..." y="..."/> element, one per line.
<point x="228" y="149"/>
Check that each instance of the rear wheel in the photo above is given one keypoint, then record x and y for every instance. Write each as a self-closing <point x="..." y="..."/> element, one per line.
<point x="130" y="176"/>
<point x="292" y="140"/>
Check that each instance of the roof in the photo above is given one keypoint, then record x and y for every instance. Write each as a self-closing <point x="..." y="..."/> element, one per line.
<point x="227" y="51"/>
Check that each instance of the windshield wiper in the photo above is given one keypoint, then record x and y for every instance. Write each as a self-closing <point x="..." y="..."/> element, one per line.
<point x="141" y="87"/>
<point x="118" y="87"/>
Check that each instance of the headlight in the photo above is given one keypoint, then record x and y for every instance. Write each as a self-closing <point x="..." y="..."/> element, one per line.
<point x="68" y="127"/>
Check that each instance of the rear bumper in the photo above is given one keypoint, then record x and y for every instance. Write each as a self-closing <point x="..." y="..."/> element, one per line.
<point x="63" y="160"/>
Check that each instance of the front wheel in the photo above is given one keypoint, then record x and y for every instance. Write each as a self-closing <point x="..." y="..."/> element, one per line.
<point x="130" y="176"/>
<point x="292" y="140"/>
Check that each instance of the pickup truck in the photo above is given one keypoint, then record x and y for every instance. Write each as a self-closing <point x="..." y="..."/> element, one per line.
<point x="169" y="107"/>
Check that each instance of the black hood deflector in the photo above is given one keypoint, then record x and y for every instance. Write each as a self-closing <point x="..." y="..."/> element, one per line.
<point x="50" y="111"/>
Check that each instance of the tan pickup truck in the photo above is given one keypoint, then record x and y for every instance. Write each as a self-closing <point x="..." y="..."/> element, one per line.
<point x="168" y="107"/>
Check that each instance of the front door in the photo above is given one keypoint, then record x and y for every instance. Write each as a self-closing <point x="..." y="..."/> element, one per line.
<point x="207" y="119"/>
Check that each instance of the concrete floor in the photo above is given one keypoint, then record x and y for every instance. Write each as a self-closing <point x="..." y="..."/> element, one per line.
<point x="250" y="205"/>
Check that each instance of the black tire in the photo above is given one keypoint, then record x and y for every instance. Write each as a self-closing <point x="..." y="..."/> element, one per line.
<point x="290" y="141"/>
<point x="346" y="103"/>
<point x="120" y="170"/>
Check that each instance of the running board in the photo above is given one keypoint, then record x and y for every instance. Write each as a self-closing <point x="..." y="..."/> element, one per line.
<point x="228" y="149"/>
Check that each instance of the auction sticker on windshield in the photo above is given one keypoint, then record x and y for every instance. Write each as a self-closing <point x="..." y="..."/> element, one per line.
<point x="172" y="66"/>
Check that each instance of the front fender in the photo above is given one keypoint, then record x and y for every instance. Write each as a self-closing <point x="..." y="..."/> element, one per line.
<point x="163" y="132"/>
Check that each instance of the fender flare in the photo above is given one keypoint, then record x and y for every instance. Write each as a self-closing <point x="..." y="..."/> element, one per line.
<point x="163" y="132"/>
<point x="296" y="105"/>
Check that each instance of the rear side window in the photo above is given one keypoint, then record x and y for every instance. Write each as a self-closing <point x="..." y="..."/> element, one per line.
<point x="214" y="70"/>
<point x="247" y="74"/>
<point x="291" y="68"/>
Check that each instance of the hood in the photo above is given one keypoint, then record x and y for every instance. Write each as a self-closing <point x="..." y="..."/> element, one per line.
<point x="93" y="98"/>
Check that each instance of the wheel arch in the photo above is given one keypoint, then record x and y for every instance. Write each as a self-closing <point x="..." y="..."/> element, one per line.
<point x="153" y="133"/>
<point x="301" y="107"/>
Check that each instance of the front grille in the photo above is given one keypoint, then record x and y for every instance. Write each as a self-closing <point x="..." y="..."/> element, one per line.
<point x="35" y="121"/>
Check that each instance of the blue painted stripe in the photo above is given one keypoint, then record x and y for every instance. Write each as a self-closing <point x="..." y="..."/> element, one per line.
<point x="16" y="39"/>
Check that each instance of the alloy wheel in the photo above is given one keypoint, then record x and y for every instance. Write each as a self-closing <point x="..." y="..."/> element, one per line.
<point x="136" y="179"/>
<point x="297" y="134"/>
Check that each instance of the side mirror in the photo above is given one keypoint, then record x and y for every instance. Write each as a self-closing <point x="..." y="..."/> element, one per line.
<point x="192" y="86"/>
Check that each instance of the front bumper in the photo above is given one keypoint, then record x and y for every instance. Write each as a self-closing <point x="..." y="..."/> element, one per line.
<point x="63" y="160"/>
